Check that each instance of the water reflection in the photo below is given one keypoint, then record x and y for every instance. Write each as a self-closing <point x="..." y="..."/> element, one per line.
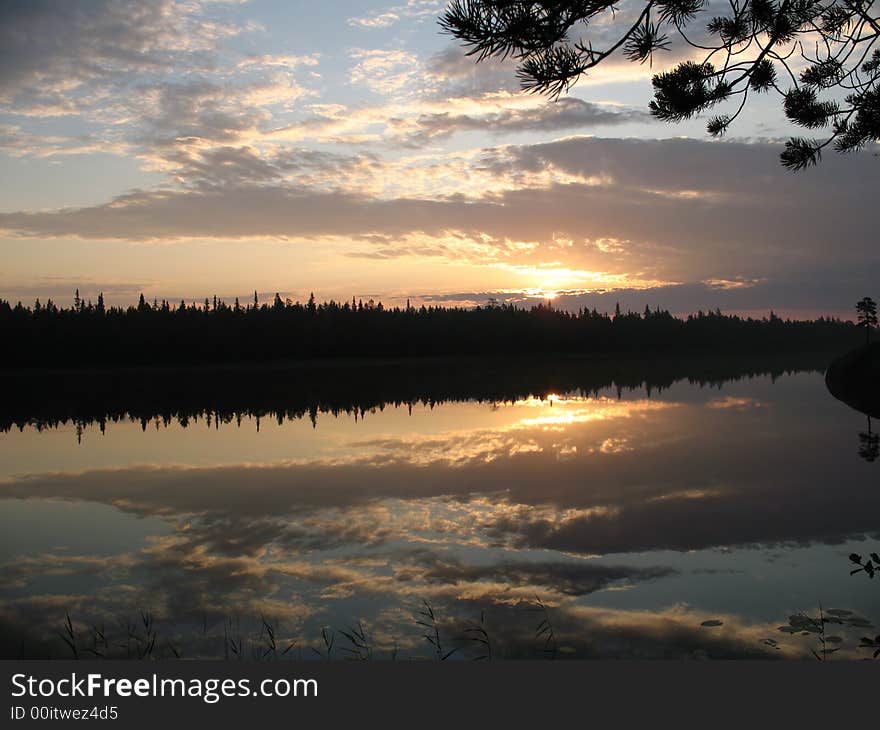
<point x="690" y="519"/>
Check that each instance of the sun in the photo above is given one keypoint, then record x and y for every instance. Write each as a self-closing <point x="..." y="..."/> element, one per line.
<point x="547" y="293"/>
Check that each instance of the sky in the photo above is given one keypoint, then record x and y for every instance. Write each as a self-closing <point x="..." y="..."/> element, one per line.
<point x="221" y="147"/>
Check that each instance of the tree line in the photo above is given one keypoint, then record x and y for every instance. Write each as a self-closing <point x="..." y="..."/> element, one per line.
<point x="214" y="331"/>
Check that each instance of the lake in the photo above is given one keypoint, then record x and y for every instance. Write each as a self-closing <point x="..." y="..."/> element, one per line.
<point x="573" y="510"/>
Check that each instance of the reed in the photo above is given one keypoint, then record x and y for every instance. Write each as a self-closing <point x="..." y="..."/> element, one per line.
<point x="428" y="620"/>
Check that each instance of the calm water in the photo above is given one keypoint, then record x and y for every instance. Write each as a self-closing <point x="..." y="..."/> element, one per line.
<point x="635" y="518"/>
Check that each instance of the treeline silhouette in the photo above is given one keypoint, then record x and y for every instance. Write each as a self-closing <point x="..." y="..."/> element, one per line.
<point x="86" y="334"/>
<point x="211" y="396"/>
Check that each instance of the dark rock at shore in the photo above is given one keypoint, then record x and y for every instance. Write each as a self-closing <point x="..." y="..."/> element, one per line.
<point x="854" y="379"/>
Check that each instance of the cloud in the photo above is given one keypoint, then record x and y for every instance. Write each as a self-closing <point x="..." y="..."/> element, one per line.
<point x="567" y="113"/>
<point x="171" y="118"/>
<point x="384" y="72"/>
<point x="274" y="211"/>
<point x="543" y="209"/>
<point x="147" y="78"/>
<point x="427" y="101"/>
<point x="194" y="111"/>
<point x="234" y="167"/>
<point x="242" y="142"/>
<point x="451" y="73"/>
<point x="379" y="20"/>
<point x="17" y="142"/>
<point x="53" y="52"/>
<point x="156" y="76"/>
<point x="284" y="61"/>
<point x="800" y="294"/>
<point x="412" y="9"/>
<point x="413" y="118"/>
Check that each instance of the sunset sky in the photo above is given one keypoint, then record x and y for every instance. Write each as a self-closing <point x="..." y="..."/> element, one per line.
<point x="187" y="149"/>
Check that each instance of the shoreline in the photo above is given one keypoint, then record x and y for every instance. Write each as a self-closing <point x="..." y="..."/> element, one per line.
<point x="854" y="379"/>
